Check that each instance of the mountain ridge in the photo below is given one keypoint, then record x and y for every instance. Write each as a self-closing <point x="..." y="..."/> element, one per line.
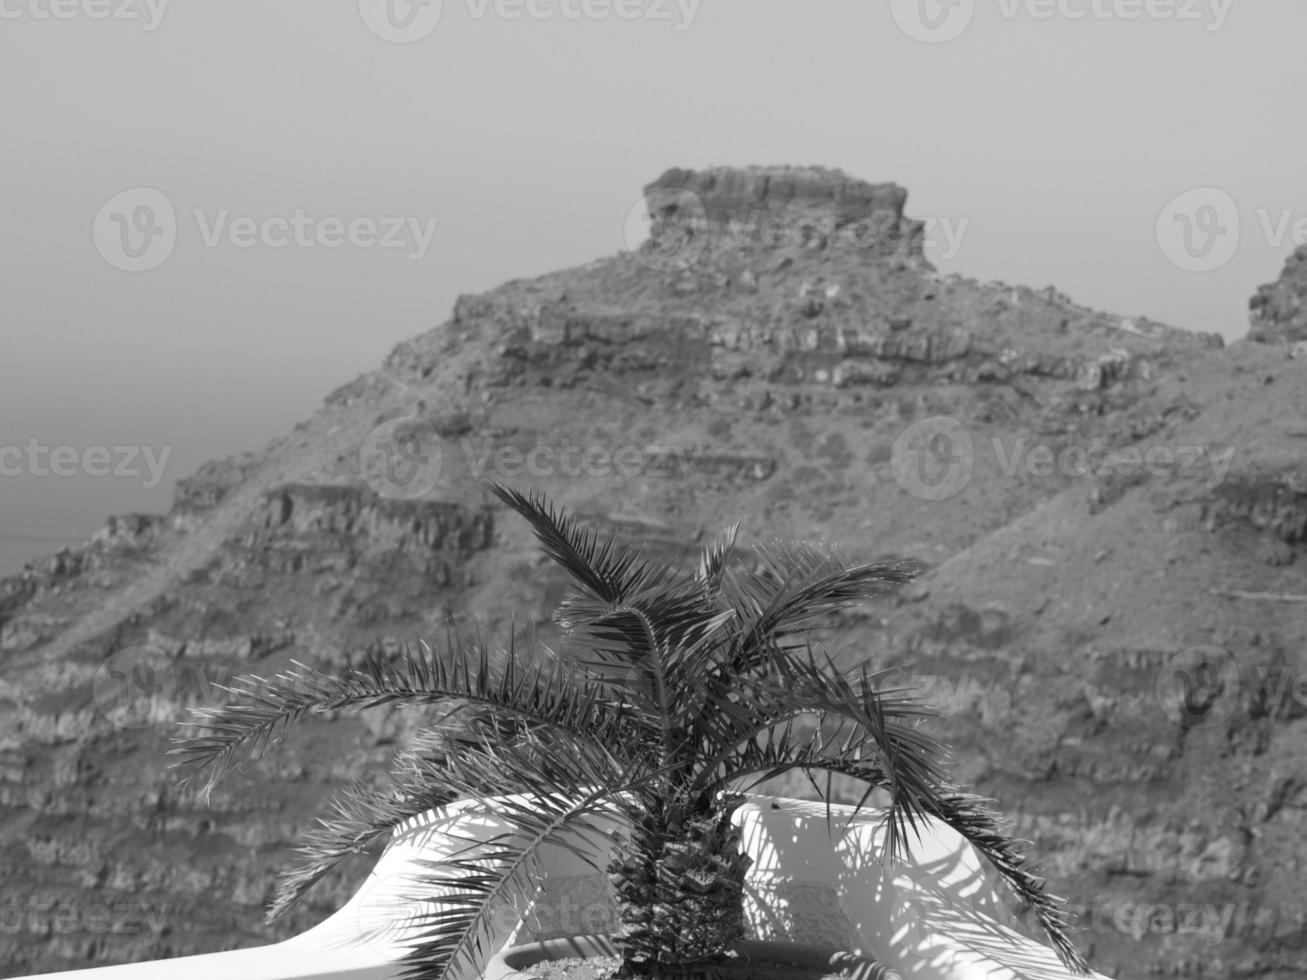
<point x="781" y="352"/>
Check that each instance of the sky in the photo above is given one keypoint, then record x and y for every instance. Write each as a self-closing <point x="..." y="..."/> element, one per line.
<point x="214" y="213"/>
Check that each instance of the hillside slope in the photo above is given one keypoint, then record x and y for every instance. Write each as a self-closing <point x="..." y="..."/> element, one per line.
<point x="780" y="353"/>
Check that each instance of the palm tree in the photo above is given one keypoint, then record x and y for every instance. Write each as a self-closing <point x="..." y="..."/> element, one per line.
<point x="673" y="691"/>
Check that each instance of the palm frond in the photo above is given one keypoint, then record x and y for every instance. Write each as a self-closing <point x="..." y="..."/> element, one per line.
<point x="365" y="812"/>
<point x="973" y="817"/>
<point x="781" y="752"/>
<point x="357" y="818"/>
<point x="670" y="686"/>
<point x="910" y="757"/>
<point x="640" y="647"/>
<point x="265" y="708"/>
<point x="505" y="867"/>
<point x="812" y="585"/>
<point x="712" y="560"/>
<point x="602" y="567"/>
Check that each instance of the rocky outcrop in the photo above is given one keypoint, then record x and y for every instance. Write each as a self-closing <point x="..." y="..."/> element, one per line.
<point x="774" y="377"/>
<point x="775" y="207"/>
<point x="129" y="531"/>
<point x="1271" y="501"/>
<point x="1277" y="310"/>
<point x="375" y="523"/>
<point x="348" y="530"/>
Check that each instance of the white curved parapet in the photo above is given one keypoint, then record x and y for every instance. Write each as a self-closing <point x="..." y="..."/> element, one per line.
<point x="938" y="916"/>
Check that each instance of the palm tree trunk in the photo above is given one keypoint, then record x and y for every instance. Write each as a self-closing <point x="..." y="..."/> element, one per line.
<point x="680" y="894"/>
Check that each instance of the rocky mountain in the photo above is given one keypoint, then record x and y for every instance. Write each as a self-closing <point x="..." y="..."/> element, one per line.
<point x="1112" y="512"/>
<point x="1277" y="308"/>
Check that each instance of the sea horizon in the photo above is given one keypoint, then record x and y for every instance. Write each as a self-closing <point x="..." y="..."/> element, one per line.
<point x="18" y="547"/>
<point x="33" y="538"/>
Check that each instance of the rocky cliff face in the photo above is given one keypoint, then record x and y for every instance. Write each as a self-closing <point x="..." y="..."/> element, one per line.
<point x="1109" y="509"/>
<point x="1277" y="308"/>
<point x="812" y="207"/>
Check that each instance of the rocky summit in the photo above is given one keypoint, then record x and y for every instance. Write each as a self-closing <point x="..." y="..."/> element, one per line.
<point x="1112" y="513"/>
<point x="1277" y="308"/>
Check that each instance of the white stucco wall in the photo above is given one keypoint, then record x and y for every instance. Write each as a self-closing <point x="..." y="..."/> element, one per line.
<point x="936" y="917"/>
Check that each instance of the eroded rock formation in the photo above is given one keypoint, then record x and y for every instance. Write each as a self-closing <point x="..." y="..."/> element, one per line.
<point x="1130" y="493"/>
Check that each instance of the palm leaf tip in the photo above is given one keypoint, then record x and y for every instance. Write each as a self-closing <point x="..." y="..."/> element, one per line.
<point x="598" y="564"/>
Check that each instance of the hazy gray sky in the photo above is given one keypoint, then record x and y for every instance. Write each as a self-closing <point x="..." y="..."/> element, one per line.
<point x="1054" y="134"/>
